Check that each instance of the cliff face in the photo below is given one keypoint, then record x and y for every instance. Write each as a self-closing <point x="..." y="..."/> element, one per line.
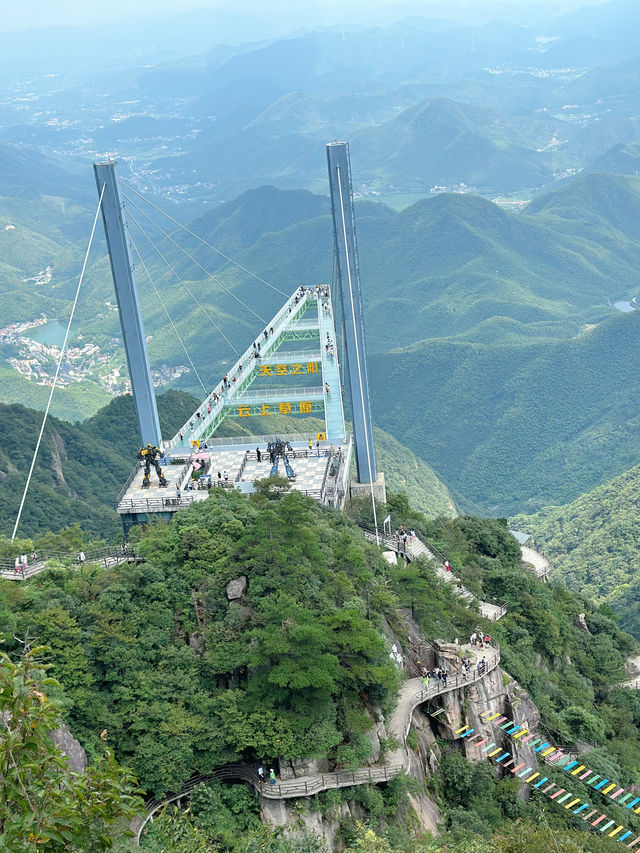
<point x="496" y="692"/>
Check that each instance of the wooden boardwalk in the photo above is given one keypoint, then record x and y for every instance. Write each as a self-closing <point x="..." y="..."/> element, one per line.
<point x="412" y="694"/>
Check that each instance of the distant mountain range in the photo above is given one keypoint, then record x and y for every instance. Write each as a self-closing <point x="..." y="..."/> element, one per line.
<point x="489" y="322"/>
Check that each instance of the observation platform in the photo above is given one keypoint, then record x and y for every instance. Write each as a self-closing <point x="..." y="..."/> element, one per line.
<point x="278" y="375"/>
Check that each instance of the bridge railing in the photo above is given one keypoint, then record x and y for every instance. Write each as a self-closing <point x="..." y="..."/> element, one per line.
<point x="396" y="543"/>
<point x="454" y="682"/>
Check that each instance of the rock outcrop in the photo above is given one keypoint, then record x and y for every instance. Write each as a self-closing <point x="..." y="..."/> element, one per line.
<point x="237" y="588"/>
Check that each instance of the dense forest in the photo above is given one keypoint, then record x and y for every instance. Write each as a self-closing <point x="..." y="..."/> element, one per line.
<point x="183" y="680"/>
<point x="593" y="544"/>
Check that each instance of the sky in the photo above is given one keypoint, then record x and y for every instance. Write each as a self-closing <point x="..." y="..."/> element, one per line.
<point x="29" y="14"/>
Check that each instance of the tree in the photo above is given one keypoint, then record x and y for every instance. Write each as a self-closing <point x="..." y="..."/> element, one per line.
<point x="44" y="806"/>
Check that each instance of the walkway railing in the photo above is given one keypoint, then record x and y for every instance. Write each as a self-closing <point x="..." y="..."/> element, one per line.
<point x="108" y="556"/>
<point x="411" y="550"/>
<point x="309" y="785"/>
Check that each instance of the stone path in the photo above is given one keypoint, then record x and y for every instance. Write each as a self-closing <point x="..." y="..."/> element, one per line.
<point x="633" y="665"/>
<point x="417" y="548"/>
<point x="541" y="565"/>
<point x="412" y="694"/>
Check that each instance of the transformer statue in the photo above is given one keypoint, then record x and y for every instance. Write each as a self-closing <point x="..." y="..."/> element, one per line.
<point x="277" y="449"/>
<point x="150" y="456"/>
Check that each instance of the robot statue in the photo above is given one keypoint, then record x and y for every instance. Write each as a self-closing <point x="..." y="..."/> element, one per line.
<point x="150" y="456"/>
<point x="277" y="449"/>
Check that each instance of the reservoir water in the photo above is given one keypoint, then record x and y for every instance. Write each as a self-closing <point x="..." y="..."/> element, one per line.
<point x="51" y="333"/>
<point x="625" y="307"/>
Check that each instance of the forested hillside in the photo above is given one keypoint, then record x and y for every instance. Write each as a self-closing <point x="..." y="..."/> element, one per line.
<point x="495" y="353"/>
<point x="593" y="544"/>
<point x="181" y="680"/>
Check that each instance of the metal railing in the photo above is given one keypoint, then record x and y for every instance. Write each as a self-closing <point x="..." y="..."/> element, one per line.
<point x="244" y="367"/>
<point x="455" y="682"/>
<point x="108" y="556"/>
<point x="254" y="440"/>
<point x="268" y="393"/>
<point x="168" y="504"/>
<point x="130" y="480"/>
<point x="308" y="786"/>
<point x="397" y="544"/>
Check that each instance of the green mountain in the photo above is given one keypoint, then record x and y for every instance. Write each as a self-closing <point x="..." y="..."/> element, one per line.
<point x="593" y="544"/>
<point x="443" y="143"/>
<point x="185" y="681"/>
<point x="456" y="290"/>
<point x="80" y="468"/>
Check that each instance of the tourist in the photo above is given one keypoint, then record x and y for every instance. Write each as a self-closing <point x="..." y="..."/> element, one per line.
<point x="310" y="445"/>
<point x="272" y="776"/>
<point x="473" y="638"/>
<point x="327" y="387"/>
<point x="258" y="454"/>
<point x="226" y="476"/>
<point x="261" y="774"/>
<point x="444" y="677"/>
<point x="425" y="682"/>
<point x="81" y="558"/>
<point x="447" y="566"/>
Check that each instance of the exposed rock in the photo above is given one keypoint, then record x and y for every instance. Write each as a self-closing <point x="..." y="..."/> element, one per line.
<point x="196" y="641"/>
<point x="428" y="749"/>
<point x="298" y="819"/>
<point x="72" y="748"/>
<point x="427" y="812"/>
<point x="581" y="623"/>
<point x="390" y="557"/>
<point x="297" y="767"/>
<point x="237" y="588"/>
<point x="58" y="452"/>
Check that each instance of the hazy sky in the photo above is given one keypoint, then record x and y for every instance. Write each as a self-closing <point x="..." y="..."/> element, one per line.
<point x="27" y="14"/>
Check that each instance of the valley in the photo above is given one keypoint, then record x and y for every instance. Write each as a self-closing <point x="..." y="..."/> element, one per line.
<point x="252" y="669"/>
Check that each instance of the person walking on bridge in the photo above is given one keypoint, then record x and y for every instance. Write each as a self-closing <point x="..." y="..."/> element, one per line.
<point x="261" y="774"/>
<point x="272" y="776"/>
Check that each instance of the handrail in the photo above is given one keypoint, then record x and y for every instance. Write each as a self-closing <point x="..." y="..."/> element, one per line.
<point x="307" y="786"/>
<point x="244" y="367"/>
<point x="268" y="392"/>
<point x="394" y="543"/>
<point x="243" y="465"/>
<point x="130" y="480"/>
<point x="109" y="554"/>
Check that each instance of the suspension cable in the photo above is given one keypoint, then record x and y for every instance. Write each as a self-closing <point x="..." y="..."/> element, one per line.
<point x="202" y="240"/>
<point x="197" y="263"/>
<point x="195" y="299"/>
<point x="355" y="337"/>
<point x="173" y="326"/>
<point x="59" y="364"/>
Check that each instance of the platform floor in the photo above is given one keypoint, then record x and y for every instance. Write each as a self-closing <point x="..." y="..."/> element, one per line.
<point x="173" y="474"/>
<point x="309" y="472"/>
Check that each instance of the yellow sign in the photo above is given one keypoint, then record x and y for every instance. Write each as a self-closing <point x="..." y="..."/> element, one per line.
<point x="321" y="436"/>
<point x="195" y="443"/>
<point x="288" y="370"/>
<point x="244" y="411"/>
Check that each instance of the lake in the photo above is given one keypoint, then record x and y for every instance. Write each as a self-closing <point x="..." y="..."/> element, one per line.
<point x="625" y="307"/>
<point x="51" y="333"/>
